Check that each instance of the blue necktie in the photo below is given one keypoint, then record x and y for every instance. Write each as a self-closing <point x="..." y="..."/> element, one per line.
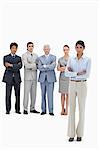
<point x="13" y="56"/>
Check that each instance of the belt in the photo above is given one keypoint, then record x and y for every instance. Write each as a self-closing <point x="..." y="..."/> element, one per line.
<point x="78" y="80"/>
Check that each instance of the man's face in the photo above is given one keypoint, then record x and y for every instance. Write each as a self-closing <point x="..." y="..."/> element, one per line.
<point x="46" y="50"/>
<point x="79" y="48"/>
<point x="30" y="47"/>
<point x="13" y="49"/>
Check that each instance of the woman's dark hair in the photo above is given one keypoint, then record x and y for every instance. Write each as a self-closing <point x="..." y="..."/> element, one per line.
<point x="13" y="44"/>
<point x="65" y="46"/>
<point x="29" y="43"/>
<point x="80" y="43"/>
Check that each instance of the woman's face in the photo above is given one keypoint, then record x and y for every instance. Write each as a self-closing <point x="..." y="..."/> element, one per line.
<point x="79" y="48"/>
<point x="66" y="50"/>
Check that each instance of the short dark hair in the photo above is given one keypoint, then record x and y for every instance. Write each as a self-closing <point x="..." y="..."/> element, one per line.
<point x="80" y="43"/>
<point x="65" y="46"/>
<point x="13" y="44"/>
<point x="30" y="43"/>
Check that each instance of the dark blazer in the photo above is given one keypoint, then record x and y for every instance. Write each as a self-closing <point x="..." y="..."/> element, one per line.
<point x="10" y="71"/>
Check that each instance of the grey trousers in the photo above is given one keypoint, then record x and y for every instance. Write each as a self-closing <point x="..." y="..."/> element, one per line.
<point x="29" y="88"/>
<point x="47" y="88"/>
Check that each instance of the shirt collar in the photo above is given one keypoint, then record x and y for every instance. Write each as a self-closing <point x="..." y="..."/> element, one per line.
<point x="29" y="52"/>
<point x="46" y="55"/>
<point x="83" y="56"/>
<point x="13" y="55"/>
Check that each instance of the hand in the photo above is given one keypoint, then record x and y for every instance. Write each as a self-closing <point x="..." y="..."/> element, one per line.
<point x="19" y="63"/>
<point x="44" y="66"/>
<point x="62" y="69"/>
<point x="81" y="73"/>
<point x="69" y="69"/>
<point x="8" y="65"/>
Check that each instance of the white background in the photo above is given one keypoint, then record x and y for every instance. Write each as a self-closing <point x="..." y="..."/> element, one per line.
<point x="56" y="23"/>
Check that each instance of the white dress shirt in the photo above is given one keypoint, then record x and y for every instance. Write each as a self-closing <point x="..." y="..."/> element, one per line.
<point x="79" y="65"/>
<point x="13" y="55"/>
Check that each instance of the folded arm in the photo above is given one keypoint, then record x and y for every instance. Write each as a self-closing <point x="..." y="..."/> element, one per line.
<point x="85" y="73"/>
<point x="41" y="66"/>
<point x="60" y="68"/>
<point x="49" y="67"/>
<point x="12" y="67"/>
<point x="28" y="65"/>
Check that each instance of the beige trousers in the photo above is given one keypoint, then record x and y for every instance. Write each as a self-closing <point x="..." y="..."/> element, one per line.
<point x="76" y="89"/>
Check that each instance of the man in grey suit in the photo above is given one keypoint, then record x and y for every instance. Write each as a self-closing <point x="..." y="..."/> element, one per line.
<point x="46" y="66"/>
<point x="30" y="78"/>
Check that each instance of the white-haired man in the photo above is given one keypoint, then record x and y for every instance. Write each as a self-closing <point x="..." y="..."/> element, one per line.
<point x="46" y="66"/>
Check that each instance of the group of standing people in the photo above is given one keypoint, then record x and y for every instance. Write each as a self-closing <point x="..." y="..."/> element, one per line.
<point x="70" y="87"/>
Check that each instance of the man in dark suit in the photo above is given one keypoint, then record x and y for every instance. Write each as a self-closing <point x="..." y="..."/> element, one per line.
<point x="12" y="77"/>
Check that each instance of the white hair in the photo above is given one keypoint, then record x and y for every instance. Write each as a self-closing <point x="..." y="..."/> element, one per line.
<point x="46" y="45"/>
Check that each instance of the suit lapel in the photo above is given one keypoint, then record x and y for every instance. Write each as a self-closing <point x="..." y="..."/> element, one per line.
<point x="13" y="60"/>
<point x="47" y="60"/>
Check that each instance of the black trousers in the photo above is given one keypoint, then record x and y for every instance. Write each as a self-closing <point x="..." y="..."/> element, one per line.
<point x="8" y="95"/>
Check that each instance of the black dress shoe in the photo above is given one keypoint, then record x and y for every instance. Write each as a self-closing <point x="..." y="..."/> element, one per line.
<point x="79" y="139"/>
<point x="7" y="112"/>
<point x="71" y="139"/>
<point x="18" y="112"/>
<point x="43" y="113"/>
<point x="25" y="112"/>
<point x="34" y="111"/>
<point x="51" y="114"/>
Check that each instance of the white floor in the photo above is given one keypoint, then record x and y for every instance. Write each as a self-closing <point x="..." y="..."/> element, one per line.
<point x="45" y="132"/>
<point x="39" y="131"/>
<point x="56" y="24"/>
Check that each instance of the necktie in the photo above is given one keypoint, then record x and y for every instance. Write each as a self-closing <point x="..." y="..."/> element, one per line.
<point x="13" y="56"/>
